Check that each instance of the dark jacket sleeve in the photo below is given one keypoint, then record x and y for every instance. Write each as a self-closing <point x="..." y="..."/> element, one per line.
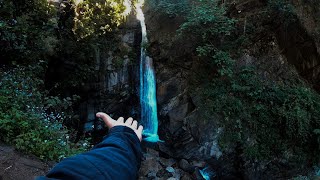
<point x="118" y="156"/>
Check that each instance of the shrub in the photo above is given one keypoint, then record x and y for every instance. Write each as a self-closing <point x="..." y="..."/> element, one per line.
<point x="25" y="29"/>
<point x="268" y="119"/>
<point x="24" y="118"/>
<point x="207" y="21"/>
<point x="98" y="17"/>
<point x="208" y="24"/>
<point x="31" y="33"/>
<point x="171" y="8"/>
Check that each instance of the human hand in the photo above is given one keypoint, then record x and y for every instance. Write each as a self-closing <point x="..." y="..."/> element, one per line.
<point x="130" y="123"/>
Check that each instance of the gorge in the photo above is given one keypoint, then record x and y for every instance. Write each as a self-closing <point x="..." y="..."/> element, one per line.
<point x="230" y="87"/>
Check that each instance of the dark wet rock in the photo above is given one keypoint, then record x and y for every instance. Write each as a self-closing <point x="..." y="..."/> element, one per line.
<point x="114" y="89"/>
<point x="172" y="178"/>
<point x="128" y="37"/>
<point x="163" y="173"/>
<point x="166" y="162"/>
<point x="167" y="90"/>
<point x="178" y="173"/>
<point x="185" y="132"/>
<point x="176" y="117"/>
<point x="185" y="165"/>
<point x="199" y="164"/>
<point x="152" y="175"/>
<point x="151" y="153"/>
<point x="196" y="98"/>
<point x="186" y="177"/>
<point x="163" y="168"/>
<point x="149" y="167"/>
<point x="192" y="137"/>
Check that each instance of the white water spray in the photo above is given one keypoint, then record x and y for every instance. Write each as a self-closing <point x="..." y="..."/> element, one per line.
<point x="148" y="101"/>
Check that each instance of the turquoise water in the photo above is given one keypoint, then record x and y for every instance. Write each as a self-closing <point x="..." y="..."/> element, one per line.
<point x="206" y="173"/>
<point x="148" y="99"/>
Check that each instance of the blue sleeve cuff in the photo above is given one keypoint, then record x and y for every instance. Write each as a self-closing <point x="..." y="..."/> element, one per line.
<point x="122" y="129"/>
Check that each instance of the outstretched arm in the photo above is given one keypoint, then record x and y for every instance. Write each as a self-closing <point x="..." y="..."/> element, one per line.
<point x="118" y="156"/>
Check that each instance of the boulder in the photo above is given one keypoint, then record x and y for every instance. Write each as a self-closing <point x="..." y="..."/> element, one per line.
<point x="186" y="166"/>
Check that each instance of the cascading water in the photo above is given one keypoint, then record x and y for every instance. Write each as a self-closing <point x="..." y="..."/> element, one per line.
<point x="148" y="100"/>
<point x="207" y="173"/>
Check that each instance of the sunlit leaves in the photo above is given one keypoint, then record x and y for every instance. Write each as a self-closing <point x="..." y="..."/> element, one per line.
<point x="97" y="17"/>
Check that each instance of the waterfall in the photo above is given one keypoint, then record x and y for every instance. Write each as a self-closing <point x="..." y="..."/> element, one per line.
<point x="148" y="100"/>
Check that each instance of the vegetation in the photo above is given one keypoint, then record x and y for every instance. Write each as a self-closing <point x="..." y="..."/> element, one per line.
<point x="26" y="30"/>
<point x="98" y="17"/>
<point x="268" y="119"/>
<point x="34" y="38"/>
<point x="208" y="24"/>
<point x="32" y="121"/>
<point x="171" y="8"/>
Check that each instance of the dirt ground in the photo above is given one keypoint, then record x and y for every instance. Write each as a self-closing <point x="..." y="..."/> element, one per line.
<point x="16" y="166"/>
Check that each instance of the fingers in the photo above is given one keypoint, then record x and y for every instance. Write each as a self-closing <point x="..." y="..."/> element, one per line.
<point x="135" y="124"/>
<point x="129" y="121"/>
<point x="140" y="129"/>
<point x="120" y="120"/>
<point x="106" y="118"/>
<point x="139" y="132"/>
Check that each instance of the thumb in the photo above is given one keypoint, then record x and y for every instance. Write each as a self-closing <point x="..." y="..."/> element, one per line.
<point x="106" y="118"/>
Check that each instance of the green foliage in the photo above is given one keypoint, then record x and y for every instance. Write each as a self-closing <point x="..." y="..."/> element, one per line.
<point x="33" y="32"/>
<point x="207" y="21"/>
<point x="24" y="118"/>
<point x="221" y="60"/>
<point x="171" y="8"/>
<point x="209" y="25"/>
<point x="89" y="32"/>
<point x="97" y="17"/>
<point x="26" y="30"/>
<point x="269" y="120"/>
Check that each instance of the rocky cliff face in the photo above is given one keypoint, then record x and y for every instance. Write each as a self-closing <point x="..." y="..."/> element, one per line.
<point x="114" y="89"/>
<point x="291" y="33"/>
<point x="188" y="137"/>
<point x="308" y="14"/>
<point x="281" y="52"/>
